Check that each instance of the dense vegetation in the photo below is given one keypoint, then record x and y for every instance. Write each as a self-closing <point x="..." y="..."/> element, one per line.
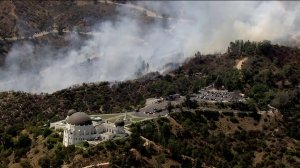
<point x="269" y="76"/>
<point x="201" y="141"/>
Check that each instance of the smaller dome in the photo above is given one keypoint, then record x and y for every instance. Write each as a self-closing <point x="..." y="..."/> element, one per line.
<point x="119" y="123"/>
<point x="70" y="112"/>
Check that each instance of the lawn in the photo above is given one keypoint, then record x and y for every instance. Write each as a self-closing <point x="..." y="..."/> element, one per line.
<point x="108" y="116"/>
<point x="137" y="119"/>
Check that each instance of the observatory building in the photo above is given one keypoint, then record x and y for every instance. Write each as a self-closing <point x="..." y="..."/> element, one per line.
<point x="79" y="127"/>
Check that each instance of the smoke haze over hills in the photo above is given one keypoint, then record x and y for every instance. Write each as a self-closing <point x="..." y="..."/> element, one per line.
<point x="119" y="50"/>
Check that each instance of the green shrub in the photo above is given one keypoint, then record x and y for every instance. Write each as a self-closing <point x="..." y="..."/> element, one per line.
<point x="46" y="132"/>
<point x="227" y="113"/>
<point x="234" y="120"/>
<point x="44" y="162"/>
<point x="25" y="164"/>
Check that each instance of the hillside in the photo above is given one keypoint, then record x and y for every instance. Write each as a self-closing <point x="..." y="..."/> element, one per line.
<point x="190" y="137"/>
<point x="19" y="18"/>
<point x="262" y="77"/>
<point x="25" y="18"/>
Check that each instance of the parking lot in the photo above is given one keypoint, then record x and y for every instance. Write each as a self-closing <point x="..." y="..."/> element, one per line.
<point x="217" y="96"/>
<point x="158" y="107"/>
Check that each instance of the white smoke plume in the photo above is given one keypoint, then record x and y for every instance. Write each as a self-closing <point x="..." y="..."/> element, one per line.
<point x="119" y="49"/>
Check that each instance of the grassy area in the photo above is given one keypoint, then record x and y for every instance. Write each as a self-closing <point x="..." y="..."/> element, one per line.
<point x="108" y="116"/>
<point x="137" y="119"/>
<point x="112" y="120"/>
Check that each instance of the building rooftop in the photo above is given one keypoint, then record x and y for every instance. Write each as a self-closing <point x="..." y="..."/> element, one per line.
<point x="79" y="118"/>
<point x="70" y="112"/>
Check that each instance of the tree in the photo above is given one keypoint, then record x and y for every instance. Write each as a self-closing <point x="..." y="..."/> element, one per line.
<point x="60" y="29"/>
<point x="169" y="107"/>
<point x="258" y="93"/>
<point x="165" y="133"/>
<point x="264" y="47"/>
<point x="135" y="139"/>
<point x="46" y="132"/>
<point x="149" y="131"/>
<point x="23" y="141"/>
<point x="283" y="99"/>
<point x="235" y="48"/>
<point x="250" y="48"/>
<point x="7" y="141"/>
<point x="192" y="104"/>
<point x="175" y="148"/>
<point x="85" y="144"/>
<point x="25" y="164"/>
<point x="44" y="162"/>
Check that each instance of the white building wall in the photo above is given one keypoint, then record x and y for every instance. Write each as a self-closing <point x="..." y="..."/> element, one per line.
<point x="119" y="130"/>
<point x="107" y="136"/>
<point x="74" y="134"/>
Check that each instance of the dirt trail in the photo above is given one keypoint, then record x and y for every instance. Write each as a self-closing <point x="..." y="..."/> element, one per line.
<point x="240" y="63"/>
<point x="148" y="12"/>
<point x="97" y="165"/>
<point x="155" y="146"/>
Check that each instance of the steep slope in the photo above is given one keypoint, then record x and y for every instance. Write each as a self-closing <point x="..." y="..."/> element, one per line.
<point x="19" y="18"/>
<point x="8" y="19"/>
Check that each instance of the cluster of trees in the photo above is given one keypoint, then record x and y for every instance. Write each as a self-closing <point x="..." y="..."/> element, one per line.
<point x="13" y="141"/>
<point x="241" y="48"/>
<point x="57" y="156"/>
<point x="275" y="84"/>
<point x="273" y="73"/>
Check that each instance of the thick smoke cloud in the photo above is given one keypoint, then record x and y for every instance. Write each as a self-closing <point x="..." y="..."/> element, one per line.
<point x="121" y="49"/>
